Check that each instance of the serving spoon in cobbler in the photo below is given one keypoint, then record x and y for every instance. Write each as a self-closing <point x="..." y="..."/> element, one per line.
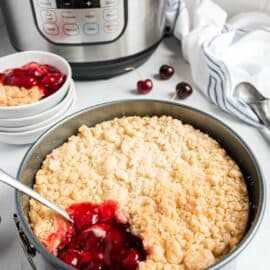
<point x="13" y="182"/>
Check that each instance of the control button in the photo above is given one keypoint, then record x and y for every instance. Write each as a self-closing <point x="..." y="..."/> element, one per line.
<point x="70" y="20"/>
<point x="71" y="29"/>
<point x="69" y="17"/>
<point x="110" y="14"/>
<point x="51" y="29"/>
<point x="47" y="3"/>
<point x="90" y="28"/>
<point x="111" y="27"/>
<point x="91" y="16"/>
<point x="48" y="16"/>
<point x="109" y="3"/>
<point x="68" y="14"/>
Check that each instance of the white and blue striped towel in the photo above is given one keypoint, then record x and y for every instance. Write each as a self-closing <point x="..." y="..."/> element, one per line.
<point x="224" y="51"/>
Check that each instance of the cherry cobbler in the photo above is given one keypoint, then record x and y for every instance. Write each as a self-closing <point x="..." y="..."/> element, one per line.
<point x="29" y="84"/>
<point x="145" y="193"/>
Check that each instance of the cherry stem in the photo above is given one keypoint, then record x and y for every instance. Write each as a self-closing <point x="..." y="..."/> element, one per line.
<point x="174" y="96"/>
<point x="136" y="70"/>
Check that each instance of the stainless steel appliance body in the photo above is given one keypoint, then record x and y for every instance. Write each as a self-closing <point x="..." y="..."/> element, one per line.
<point x="100" y="38"/>
<point x="58" y="134"/>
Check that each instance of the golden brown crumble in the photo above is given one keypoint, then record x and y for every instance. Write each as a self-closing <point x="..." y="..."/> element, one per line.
<point x="15" y="96"/>
<point x="183" y="194"/>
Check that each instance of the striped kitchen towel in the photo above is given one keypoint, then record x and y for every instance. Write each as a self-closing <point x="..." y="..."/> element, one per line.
<point x="224" y="51"/>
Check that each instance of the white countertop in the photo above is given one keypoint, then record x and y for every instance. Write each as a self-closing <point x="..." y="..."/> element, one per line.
<point x="256" y="256"/>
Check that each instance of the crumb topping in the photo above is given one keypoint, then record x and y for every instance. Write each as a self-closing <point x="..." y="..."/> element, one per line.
<point x="180" y="190"/>
<point x="15" y="96"/>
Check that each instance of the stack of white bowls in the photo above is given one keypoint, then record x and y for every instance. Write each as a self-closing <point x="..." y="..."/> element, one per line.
<point x="24" y="124"/>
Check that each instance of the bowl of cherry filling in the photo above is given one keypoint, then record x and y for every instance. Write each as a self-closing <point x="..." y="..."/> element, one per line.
<point x="32" y="82"/>
<point x="149" y="184"/>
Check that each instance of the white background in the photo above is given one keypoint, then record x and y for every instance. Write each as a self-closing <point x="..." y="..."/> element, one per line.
<point x="256" y="255"/>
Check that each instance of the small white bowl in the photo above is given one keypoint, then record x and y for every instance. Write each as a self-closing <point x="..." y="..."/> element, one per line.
<point x="30" y="136"/>
<point x="49" y="120"/>
<point x="22" y="58"/>
<point x="32" y="120"/>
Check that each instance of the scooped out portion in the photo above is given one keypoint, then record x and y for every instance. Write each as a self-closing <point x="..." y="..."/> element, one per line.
<point x="100" y="238"/>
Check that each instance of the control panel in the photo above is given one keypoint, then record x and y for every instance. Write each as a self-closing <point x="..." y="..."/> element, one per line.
<point x="80" y="21"/>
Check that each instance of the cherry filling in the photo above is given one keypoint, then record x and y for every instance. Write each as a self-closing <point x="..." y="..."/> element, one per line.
<point x="101" y="239"/>
<point x="48" y="78"/>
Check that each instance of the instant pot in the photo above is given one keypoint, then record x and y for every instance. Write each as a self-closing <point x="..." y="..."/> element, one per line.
<point x="100" y="38"/>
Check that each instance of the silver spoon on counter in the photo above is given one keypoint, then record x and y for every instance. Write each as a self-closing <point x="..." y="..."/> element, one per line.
<point x="13" y="182"/>
<point x="258" y="103"/>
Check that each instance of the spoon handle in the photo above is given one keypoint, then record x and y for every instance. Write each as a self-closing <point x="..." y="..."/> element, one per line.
<point x="11" y="181"/>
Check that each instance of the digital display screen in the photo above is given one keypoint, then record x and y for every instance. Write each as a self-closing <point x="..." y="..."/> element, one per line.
<point x="66" y="4"/>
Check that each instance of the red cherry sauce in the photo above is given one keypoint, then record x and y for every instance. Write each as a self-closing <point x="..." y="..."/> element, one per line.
<point x="101" y="239"/>
<point x="48" y="78"/>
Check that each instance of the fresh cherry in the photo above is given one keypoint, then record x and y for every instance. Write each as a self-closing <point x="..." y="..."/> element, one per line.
<point x="144" y="86"/>
<point x="183" y="90"/>
<point x="166" y="72"/>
